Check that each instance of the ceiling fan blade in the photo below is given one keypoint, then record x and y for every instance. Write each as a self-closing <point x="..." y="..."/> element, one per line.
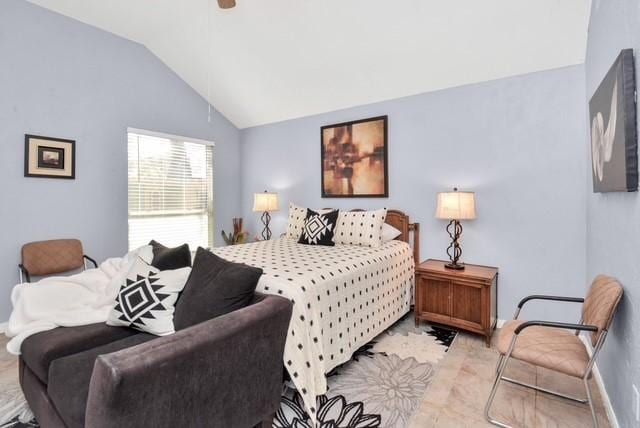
<point x="226" y="4"/>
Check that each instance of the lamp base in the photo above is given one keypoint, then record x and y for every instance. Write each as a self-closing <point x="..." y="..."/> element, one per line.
<point x="454" y="229"/>
<point x="266" y="232"/>
<point x="454" y="266"/>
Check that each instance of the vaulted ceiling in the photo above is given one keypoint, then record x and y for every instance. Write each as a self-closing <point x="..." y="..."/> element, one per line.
<point x="270" y="60"/>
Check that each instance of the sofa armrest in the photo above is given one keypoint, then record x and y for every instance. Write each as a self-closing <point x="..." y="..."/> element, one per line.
<point x="223" y="372"/>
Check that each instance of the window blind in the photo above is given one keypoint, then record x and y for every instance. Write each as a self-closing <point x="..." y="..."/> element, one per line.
<point x="170" y="186"/>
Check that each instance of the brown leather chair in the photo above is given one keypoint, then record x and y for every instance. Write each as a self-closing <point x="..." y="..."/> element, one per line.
<point x="557" y="346"/>
<point x="43" y="258"/>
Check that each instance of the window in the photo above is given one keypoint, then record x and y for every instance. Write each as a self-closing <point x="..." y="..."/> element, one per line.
<point x="170" y="190"/>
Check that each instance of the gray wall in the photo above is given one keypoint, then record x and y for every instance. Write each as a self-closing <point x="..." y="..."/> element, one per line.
<point x="517" y="142"/>
<point x="613" y="219"/>
<point x="61" y="78"/>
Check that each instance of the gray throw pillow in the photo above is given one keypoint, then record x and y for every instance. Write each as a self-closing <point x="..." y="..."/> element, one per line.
<point x="215" y="287"/>
<point x="165" y="258"/>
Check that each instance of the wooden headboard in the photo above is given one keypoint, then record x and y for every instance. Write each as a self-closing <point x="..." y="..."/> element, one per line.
<point x="400" y="221"/>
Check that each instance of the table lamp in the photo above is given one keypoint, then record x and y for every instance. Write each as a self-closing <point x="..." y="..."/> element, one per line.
<point x="265" y="202"/>
<point x="455" y="206"/>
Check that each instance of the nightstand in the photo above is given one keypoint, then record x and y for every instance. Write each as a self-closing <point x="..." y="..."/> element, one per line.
<point x="464" y="299"/>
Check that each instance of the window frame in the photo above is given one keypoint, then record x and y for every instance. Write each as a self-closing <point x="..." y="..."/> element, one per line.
<point x="174" y="137"/>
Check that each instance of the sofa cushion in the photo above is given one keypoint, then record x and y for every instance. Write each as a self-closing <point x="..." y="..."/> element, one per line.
<point x="69" y="378"/>
<point x="215" y="287"/>
<point x="165" y="258"/>
<point x="40" y="349"/>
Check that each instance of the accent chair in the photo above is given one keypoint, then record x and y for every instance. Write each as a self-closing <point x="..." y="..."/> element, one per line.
<point x="43" y="258"/>
<point x="557" y="346"/>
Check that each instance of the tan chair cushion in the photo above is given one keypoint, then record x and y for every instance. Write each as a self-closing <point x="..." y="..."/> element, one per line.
<point x="601" y="303"/>
<point x="50" y="257"/>
<point x="552" y="348"/>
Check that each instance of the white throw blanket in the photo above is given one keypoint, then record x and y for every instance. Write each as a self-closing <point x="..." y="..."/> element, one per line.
<point x="80" y="299"/>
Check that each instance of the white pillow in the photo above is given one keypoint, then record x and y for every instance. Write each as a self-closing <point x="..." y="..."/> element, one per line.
<point x="389" y="233"/>
<point x="297" y="216"/>
<point x="296" y="221"/>
<point x="146" y="299"/>
<point x="360" y="228"/>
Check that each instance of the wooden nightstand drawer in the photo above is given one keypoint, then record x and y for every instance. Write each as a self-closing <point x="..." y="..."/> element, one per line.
<point x="464" y="299"/>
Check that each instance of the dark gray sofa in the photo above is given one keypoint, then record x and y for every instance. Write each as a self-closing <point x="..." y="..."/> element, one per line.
<point x="225" y="372"/>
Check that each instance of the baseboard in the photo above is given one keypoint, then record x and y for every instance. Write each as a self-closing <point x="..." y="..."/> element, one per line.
<point x="603" y="391"/>
<point x="500" y="323"/>
<point x="3" y="326"/>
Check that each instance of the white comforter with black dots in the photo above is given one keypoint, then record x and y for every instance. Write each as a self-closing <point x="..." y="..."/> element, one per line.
<point x="343" y="297"/>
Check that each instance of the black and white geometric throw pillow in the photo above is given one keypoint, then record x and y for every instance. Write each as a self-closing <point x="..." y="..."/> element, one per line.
<point x="146" y="300"/>
<point x="297" y="216"/>
<point x="318" y="228"/>
<point x="360" y="228"/>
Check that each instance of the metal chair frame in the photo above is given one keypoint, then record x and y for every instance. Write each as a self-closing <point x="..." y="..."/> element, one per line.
<point x="503" y="360"/>
<point x="24" y="273"/>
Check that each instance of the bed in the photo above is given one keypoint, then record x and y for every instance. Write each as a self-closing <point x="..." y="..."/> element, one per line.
<point x="343" y="296"/>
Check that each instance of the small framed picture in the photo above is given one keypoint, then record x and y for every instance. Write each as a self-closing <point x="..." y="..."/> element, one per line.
<point x="49" y="157"/>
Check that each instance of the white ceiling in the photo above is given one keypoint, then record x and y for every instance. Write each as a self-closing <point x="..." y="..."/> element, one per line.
<point x="273" y="60"/>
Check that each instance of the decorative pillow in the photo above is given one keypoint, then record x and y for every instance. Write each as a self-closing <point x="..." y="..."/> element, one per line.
<point x="144" y="253"/>
<point x="146" y="300"/>
<point x="318" y="228"/>
<point x="389" y="233"/>
<point x="170" y="258"/>
<point x="215" y="287"/>
<point x="360" y="228"/>
<point x="297" y="216"/>
<point x="296" y="221"/>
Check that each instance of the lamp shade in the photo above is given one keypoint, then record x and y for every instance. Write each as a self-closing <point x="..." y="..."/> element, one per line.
<point x="456" y="205"/>
<point x="265" y="201"/>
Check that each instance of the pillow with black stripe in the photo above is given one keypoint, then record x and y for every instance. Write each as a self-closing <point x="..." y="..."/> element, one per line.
<point x="318" y="228"/>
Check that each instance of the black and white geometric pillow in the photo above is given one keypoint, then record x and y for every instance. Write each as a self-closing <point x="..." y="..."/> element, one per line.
<point x="297" y="216"/>
<point x="360" y="228"/>
<point x="318" y="228"/>
<point x="146" y="300"/>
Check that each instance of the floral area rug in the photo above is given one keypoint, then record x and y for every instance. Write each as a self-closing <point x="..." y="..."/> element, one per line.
<point x="381" y="386"/>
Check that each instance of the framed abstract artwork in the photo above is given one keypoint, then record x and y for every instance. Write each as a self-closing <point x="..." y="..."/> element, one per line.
<point x="49" y="157"/>
<point x="614" y="137"/>
<point x="354" y="159"/>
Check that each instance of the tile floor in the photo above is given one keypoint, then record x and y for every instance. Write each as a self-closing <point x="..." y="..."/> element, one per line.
<point x="462" y="382"/>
